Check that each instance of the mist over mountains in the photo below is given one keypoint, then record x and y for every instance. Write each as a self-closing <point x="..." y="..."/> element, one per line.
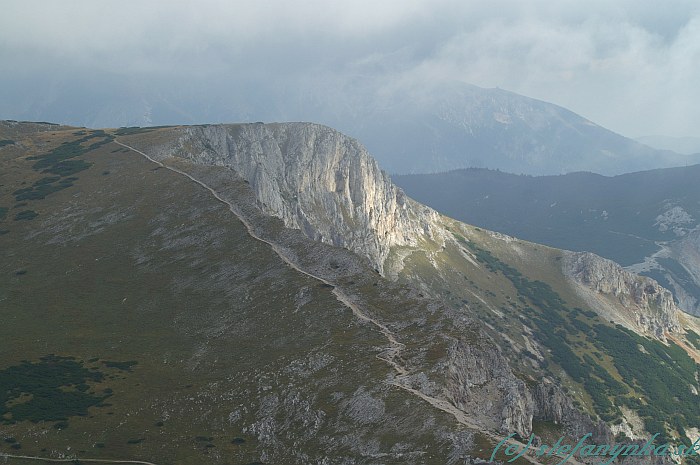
<point x="685" y="145"/>
<point x="409" y="129"/>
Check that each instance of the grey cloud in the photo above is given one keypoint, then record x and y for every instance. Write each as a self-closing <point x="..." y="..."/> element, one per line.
<point x="629" y="65"/>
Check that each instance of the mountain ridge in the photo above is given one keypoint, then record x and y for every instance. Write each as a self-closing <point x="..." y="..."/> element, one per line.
<point x="287" y="185"/>
<point x="488" y="329"/>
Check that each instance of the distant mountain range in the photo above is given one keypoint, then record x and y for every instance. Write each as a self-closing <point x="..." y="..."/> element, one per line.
<point x="648" y="221"/>
<point x="461" y="126"/>
<point x="684" y="145"/>
<point x="434" y="128"/>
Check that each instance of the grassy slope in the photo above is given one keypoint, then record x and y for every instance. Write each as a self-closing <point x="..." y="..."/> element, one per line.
<point x="137" y="263"/>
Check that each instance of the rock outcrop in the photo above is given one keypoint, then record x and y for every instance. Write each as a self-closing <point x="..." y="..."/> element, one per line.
<point x="315" y="179"/>
<point x="637" y="302"/>
<point x="553" y="404"/>
<point x="482" y="384"/>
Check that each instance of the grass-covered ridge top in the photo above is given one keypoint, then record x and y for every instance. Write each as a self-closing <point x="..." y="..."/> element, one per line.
<point x="58" y="166"/>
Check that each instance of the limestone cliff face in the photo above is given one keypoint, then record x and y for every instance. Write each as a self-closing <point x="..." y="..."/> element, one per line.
<point x="637" y="302"/>
<point x="315" y="179"/>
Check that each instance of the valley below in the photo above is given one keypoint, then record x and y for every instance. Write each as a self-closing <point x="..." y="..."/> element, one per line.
<point x="647" y="221"/>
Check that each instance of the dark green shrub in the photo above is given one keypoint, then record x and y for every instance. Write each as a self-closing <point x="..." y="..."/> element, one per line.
<point x="26" y="215"/>
<point x="124" y="366"/>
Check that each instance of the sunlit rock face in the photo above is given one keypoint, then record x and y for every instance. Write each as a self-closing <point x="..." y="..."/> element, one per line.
<point x="315" y="179"/>
<point x="643" y="304"/>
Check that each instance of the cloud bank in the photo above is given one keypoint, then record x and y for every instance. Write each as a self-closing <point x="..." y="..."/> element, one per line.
<point x="632" y="66"/>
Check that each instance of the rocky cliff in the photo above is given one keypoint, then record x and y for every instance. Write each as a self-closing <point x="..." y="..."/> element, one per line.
<point x="482" y="384"/>
<point x="634" y="301"/>
<point x="315" y="179"/>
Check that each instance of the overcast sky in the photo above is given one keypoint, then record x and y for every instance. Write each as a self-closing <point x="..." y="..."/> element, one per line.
<point x="630" y="65"/>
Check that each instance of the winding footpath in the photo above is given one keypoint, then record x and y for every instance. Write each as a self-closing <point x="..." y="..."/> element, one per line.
<point x="46" y="459"/>
<point x="395" y="347"/>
